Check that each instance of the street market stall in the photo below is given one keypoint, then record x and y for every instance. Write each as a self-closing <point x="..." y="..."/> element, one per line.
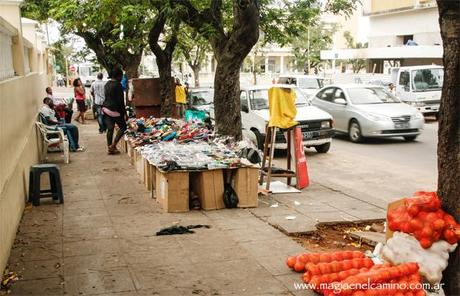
<point x="186" y="165"/>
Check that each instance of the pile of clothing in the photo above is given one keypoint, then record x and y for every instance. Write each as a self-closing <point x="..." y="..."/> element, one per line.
<point x="170" y="156"/>
<point x="143" y="131"/>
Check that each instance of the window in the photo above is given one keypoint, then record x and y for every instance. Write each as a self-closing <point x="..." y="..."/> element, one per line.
<point x="339" y="94"/>
<point x="404" y="78"/>
<point x="370" y="95"/>
<point x="244" y="101"/>
<point x="6" y="60"/>
<point x="327" y="94"/>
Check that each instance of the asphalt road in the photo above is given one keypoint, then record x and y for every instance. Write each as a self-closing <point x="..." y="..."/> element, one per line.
<point x="384" y="169"/>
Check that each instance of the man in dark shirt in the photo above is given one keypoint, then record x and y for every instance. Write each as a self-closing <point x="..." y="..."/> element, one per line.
<point x="114" y="110"/>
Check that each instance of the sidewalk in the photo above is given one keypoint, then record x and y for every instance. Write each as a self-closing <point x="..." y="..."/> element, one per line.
<point x="101" y="240"/>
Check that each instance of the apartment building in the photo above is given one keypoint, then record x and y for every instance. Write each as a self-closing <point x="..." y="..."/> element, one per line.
<point x="401" y="32"/>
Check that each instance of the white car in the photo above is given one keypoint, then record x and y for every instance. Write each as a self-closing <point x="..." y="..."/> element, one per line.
<point x="308" y="84"/>
<point x="369" y="111"/>
<point x="316" y="125"/>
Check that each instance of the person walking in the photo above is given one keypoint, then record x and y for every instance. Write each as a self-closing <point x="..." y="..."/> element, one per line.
<point x="98" y="94"/>
<point x="80" y="97"/>
<point x="114" y="109"/>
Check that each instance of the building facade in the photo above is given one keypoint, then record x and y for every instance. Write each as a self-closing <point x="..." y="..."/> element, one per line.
<point x="401" y="33"/>
<point x="24" y="70"/>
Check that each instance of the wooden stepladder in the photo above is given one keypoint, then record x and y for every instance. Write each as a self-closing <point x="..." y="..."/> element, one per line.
<point x="269" y="151"/>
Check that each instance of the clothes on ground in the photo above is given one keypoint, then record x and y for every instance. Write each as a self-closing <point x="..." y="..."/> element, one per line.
<point x="97" y="89"/>
<point x="281" y="103"/>
<point x="178" y="229"/>
<point x="181" y="96"/>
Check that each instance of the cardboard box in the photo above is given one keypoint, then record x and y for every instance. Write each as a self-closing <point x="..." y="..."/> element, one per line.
<point x="246" y="187"/>
<point x="148" y="175"/>
<point x="209" y="186"/>
<point x="172" y="191"/>
<point x="130" y="151"/>
<point x="391" y="206"/>
<point x="139" y="164"/>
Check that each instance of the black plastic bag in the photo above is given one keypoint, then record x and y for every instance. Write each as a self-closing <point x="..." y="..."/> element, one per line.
<point x="230" y="197"/>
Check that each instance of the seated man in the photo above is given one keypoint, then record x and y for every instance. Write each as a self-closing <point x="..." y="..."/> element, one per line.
<point x="60" y="105"/>
<point x="47" y="111"/>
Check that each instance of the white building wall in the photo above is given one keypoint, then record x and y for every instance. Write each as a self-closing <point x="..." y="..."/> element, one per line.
<point x="422" y="23"/>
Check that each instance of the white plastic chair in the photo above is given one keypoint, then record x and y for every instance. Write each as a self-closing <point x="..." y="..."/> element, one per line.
<point x="61" y="142"/>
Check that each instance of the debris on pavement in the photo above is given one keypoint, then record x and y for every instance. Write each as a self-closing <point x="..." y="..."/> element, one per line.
<point x="8" y="279"/>
<point x="178" y="229"/>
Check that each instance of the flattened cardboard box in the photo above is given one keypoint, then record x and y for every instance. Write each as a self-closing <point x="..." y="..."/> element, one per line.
<point x="172" y="191"/>
<point x="209" y="186"/>
<point x="246" y="187"/>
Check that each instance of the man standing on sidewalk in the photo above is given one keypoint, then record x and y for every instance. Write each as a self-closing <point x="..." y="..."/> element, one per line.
<point x="98" y="94"/>
<point x="114" y="109"/>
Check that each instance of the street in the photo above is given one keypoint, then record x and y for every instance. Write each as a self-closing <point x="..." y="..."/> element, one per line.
<point x="381" y="169"/>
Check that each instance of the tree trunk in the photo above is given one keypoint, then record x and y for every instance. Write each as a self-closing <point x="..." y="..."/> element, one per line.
<point x="166" y="90"/>
<point x="449" y="130"/>
<point x="132" y="69"/>
<point x="226" y="99"/>
<point x="196" y="75"/>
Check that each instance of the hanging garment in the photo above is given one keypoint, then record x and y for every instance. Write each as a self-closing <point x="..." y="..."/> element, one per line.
<point x="281" y="104"/>
<point x="181" y="97"/>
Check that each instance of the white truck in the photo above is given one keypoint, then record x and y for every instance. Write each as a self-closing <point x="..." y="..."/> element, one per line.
<point x="419" y="86"/>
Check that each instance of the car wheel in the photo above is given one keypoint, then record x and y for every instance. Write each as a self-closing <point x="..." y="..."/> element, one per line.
<point x="354" y="132"/>
<point x="323" y="148"/>
<point x="259" y="139"/>
<point x="410" y="138"/>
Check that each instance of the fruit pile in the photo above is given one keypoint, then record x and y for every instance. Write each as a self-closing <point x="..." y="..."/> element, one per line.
<point x="349" y="273"/>
<point x="422" y="217"/>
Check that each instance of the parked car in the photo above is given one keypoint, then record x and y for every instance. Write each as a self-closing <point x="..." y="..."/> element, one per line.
<point x="369" y="111"/>
<point x="307" y="83"/>
<point x="316" y="125"/>
<point x="201" y="99"/>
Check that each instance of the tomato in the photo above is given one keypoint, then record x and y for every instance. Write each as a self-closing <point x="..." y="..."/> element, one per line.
<point x="439" y="224"/>
<point x="431" y="217"/>
<point x="427" y="231"/>
<point x="303" y="258"/>
<point x="416" y="224"/>
<point x="406" y="227"/>
<point x="347" y="264"/>
<point x="358" y="254"/>
<point x="291" y="260"/>
<point x="299" y="267"/>
<point x="324" y="258"/>
<point x="422" y="215"/>
<point x="450" y="236"/>
<point x="413" y="210"/>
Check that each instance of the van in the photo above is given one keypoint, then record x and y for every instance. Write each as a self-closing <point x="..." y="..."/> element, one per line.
<point x="308" y="84"/>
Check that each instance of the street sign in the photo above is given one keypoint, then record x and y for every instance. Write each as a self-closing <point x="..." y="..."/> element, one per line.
<point x="72" y="69"/>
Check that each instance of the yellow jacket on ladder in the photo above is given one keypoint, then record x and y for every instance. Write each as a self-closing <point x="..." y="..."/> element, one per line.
<point x="281" y="104"/>
<point x="181" y="97"/>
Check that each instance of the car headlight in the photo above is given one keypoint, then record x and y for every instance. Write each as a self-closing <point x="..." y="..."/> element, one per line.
<point x="417" y="115"/>
<point x="377" y="117"/>
<point x="325" y="124"/>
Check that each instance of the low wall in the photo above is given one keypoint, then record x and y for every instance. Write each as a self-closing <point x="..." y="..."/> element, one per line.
<point x="20" y="100"/>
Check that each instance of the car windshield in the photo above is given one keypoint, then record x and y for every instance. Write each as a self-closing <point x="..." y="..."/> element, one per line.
<point x="427" y="79"/>
<point x="370" y="95"/>
<point x="259" y="98"/>
<point x="201" y="98"/>
<point x="310" y="83"/>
